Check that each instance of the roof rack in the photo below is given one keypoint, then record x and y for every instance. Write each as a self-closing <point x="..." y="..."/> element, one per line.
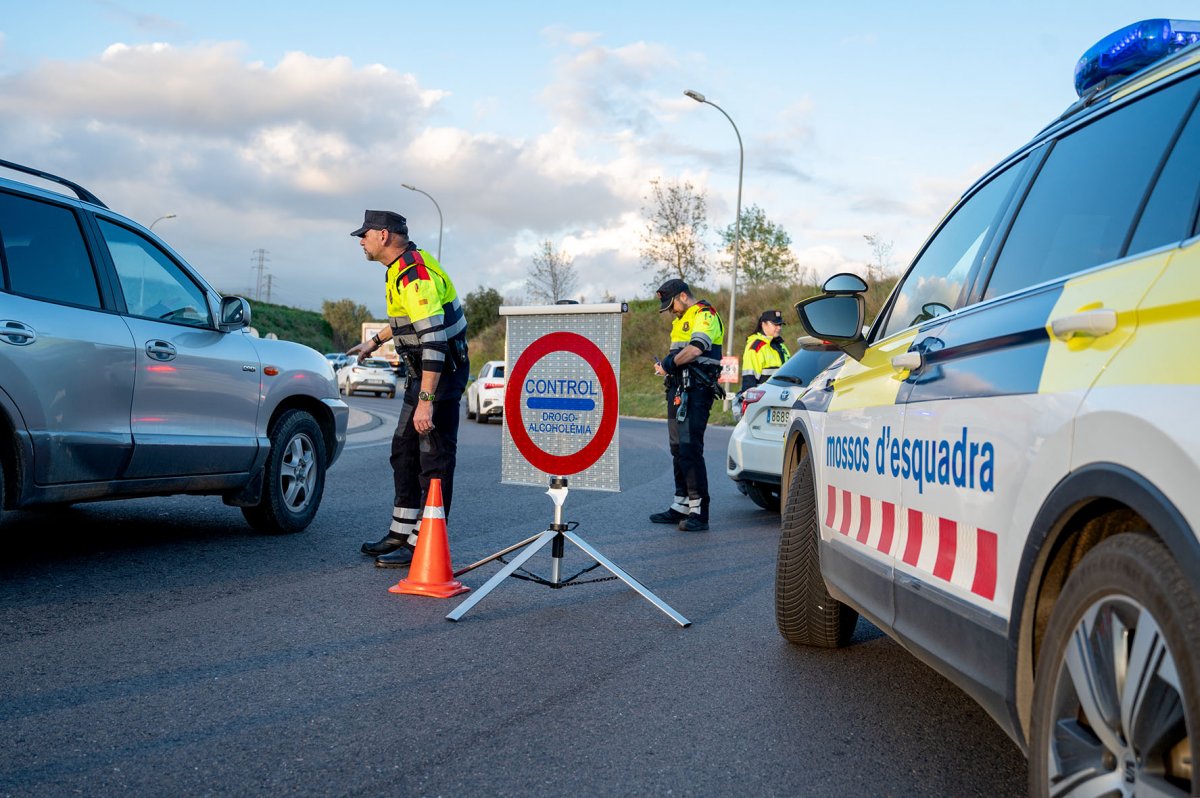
<point x="79" y="190"/>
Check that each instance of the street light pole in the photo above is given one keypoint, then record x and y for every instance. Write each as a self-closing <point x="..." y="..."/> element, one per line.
<point x="439" y="210"/>
<point x="159" y="219"/>
<point x="737" y="224"/>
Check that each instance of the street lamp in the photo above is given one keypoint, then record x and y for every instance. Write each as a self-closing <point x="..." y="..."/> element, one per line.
<point x="439" y="210"/>
<point x="737" y="234"/>
<point x="159" y="219"/>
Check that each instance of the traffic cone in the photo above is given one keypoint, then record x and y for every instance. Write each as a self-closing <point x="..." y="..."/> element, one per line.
<point x="430" y="573"/>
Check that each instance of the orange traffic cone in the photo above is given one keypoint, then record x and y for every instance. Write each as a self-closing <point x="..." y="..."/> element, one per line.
<point x="430" y="573"/>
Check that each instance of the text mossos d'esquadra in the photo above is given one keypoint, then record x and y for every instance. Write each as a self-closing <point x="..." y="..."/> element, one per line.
<point x="961" y="462"/>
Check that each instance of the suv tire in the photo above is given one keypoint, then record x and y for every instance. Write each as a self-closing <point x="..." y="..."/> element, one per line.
<point x="1128" y="624"/>
<point x="804" y="611"/>
<point x="294" y="477"/>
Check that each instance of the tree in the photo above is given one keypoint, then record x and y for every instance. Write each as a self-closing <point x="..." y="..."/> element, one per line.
<point x="881" y="257"/>
<point x="482" y="307"/>
<point x="552" y="277"/>
<point x="673" y="242"/>
<point x="765" y="255"/>
<point x="346" y="318"/>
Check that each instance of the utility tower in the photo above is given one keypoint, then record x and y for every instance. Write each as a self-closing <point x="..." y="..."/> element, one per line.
<point x="259" y="259"/>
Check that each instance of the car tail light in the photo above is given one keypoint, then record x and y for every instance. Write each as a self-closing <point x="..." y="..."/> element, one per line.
<point x="487" y="386"/>
<point x="750" y="397"/>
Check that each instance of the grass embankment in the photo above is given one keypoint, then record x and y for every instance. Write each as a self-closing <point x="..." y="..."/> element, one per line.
<point x="292" y="324"/>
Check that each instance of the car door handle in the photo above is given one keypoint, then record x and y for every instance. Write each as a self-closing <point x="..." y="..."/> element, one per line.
<point x="1091" y="323"/>
<point x="17" y="333"/>
<point x="909" y="360"/>
<point x="160" y="350"/>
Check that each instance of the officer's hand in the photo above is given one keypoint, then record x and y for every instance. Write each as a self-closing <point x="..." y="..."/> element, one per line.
<point x="658" y="369"/>
<point x="423" y="418"/>
<point x="360" y="350"/>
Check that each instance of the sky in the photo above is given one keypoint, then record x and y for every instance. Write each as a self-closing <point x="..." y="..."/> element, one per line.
<point x="273" y="126"/>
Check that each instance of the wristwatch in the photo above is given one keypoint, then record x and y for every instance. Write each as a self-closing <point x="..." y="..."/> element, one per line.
<point x="425" y="396"/>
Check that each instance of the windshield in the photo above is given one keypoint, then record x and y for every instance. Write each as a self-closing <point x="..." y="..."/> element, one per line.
<point x="376" y="363"/>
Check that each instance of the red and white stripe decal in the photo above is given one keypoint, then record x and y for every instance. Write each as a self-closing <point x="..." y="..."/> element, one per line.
<point x="963" y="555"/>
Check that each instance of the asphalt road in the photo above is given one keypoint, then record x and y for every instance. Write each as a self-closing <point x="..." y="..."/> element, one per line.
<point x="161" y="647"/>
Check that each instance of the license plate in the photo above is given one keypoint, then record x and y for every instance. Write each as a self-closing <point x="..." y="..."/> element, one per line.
<point x="780" y="415"/>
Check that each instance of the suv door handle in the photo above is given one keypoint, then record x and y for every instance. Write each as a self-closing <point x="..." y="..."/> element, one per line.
<point x="1092" y="323"/>
<point x="909" y="360"/>
<point x="160" y="350"/>
<point x="17" y="333"/>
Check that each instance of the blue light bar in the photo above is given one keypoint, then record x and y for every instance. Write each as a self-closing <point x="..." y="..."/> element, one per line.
<point x="1130" y="49"/>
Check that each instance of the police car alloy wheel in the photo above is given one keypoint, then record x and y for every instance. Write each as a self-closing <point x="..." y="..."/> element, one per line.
<point x="804" y="611"/>
<point x="1116" y="697"/>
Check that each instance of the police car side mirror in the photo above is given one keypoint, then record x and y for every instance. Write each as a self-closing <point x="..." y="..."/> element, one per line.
<point x="837" y="318"/>
<point x="235" y="314"/>
<point x="844" y="283"/>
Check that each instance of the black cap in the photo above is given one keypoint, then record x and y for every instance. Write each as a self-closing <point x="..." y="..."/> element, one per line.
<point x="382" y="220"/>
<point x="668" y="291"/>
<point x="774" y="316"/>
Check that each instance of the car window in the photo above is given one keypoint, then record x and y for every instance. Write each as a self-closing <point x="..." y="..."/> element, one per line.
<point x="154" y="286"/>
<point x="376" y="363"/>
<point x="44" y="252"/>
<point x="804" y="365"/>
<point x="935" y="283"/>
<point x="1082" y="204"/>
<point x="1170" y="214"/>
<point x="498" y="371"/>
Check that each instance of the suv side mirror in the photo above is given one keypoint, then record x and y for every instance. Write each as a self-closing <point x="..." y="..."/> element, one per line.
<point x="235" y="314"/>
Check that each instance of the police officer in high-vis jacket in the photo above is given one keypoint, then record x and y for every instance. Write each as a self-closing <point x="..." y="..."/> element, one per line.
<point x="765" y="350"/>
<point x="429" y="329"/>
<point x="691" y="368"/>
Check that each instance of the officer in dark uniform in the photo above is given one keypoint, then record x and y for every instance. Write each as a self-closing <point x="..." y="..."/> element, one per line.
<point x="691" y="368"/>
<point x="429" y="329"/>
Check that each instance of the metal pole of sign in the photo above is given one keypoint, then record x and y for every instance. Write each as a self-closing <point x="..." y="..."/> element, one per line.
<point x="555" y="535"/>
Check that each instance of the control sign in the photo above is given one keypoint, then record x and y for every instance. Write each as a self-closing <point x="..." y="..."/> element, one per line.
<point x="561" y="395"/>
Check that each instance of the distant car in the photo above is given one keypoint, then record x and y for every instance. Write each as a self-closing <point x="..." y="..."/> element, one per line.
<point x="337" y="359"/>
<point x="124" y="373"/>
<point x="372" y="375"/>
<point x="755" y="460"/>
<point x="485" y="394"/>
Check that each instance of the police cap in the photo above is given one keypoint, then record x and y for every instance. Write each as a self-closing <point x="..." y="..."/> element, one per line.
<point x="773" y="316"/>
<point x="668" y="291"/>
<point x="382" y="220"/>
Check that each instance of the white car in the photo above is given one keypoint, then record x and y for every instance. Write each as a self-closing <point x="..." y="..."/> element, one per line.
<point x="373" y="375"/>
<point x="755" y="459"/>
<point x="485" y="393"/>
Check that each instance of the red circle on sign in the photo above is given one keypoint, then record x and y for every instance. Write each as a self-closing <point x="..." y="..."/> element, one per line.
<point x="566" y="464"/>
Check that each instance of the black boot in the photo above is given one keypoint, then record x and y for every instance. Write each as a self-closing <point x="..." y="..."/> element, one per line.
<point x="400" y="558"/>
<point x="385" y="545"/>
<point x="693" y="523"/>
<point x="668" y="516"/>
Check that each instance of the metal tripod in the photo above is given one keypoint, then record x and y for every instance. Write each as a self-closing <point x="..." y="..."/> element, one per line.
<point x="555" y="535"/>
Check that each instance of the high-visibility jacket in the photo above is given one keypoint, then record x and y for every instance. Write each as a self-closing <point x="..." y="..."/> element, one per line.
<point x="426" y="317"/>
<point x="762" y="358"/>
<point x="701" y="327"/>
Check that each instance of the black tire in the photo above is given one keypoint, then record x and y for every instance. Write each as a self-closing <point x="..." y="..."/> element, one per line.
<point x="765" y="496"/>
<point x="1128" y="624"/>
<point x="804" y="611"/>
<point x="481" y="417"/>
<point x="294" y="477"/>
<point x="470" y="412"/>
<point x="391" y="394"/>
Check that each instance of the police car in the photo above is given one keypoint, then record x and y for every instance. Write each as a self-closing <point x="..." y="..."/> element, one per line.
<point x="1004" y="474"/>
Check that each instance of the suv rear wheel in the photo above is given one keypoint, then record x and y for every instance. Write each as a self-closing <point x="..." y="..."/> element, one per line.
<point x="294" y="479"/>
<point x="804" y="611"/>
<point x="1117" y="694"/>
<point x="765" y="496"/>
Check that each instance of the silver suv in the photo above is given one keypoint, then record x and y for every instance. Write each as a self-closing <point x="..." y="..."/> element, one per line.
<point x="123" y="373"/>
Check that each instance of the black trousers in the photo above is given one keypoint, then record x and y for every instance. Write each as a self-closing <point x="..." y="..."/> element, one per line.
<point x="687" y="446"/>
<point x="416" y="459"/>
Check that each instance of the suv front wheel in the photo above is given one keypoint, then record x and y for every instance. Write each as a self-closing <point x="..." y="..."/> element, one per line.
<point x="294" y="478"/>
<point x="1117" y="694"/>
<point x="804" y="611"/>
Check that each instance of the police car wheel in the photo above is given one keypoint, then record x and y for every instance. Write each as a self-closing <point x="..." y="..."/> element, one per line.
<point x="765" y="496"/>
<point x="1117" y="690"/>
<point x="804" y="611"/>
<point x="294" y="477"/>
